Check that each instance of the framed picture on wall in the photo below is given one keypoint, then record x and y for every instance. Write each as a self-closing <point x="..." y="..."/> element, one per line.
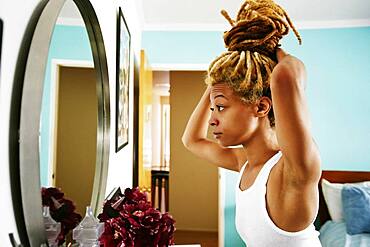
<point x="123" y="82"/>
<point x="1" y="38"/>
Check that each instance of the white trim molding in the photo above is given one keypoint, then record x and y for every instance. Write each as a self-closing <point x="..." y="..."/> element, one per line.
<point x="73" y="63"/>
<point x="333" y="24"/>
<point x="179" y="66"/>
<point x="70" y="21"/>
<point x="186" y="27"/>
<point x="222" y="27"/>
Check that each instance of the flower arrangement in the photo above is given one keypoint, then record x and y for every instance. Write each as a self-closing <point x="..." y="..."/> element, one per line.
<point x="61" y="210"/>
<point x="131" y="221"/>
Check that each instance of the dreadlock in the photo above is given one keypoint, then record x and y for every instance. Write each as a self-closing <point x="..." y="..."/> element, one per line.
<point x="251" y="44"/>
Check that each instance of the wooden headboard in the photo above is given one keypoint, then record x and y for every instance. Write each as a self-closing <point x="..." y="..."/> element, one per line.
<point x="338" y="177"/>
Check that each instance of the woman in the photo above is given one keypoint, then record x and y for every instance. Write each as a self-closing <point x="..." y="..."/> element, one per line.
<point x="256" y="96"/>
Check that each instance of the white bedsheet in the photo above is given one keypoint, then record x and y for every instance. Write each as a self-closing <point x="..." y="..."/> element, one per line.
<point x="333" y="234"/>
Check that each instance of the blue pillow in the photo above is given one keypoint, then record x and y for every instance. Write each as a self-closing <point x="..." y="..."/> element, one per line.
<point x="356" y="208"/>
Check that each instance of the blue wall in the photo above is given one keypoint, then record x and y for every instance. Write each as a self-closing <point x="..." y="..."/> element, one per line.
<point x="71" y="43"/>
<point x="338" y="67"/>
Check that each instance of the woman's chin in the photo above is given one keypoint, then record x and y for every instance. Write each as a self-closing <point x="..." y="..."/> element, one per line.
<point x="224" y="143"/>
<point x="227" y="143"/>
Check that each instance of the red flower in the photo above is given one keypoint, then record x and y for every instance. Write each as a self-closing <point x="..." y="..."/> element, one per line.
<point x="131" y="221"/>
<point x="61" y="210"/>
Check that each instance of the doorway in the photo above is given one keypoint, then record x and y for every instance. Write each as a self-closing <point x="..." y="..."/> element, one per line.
<point x="75" y="134"/>
<point x="193" y="191"/>
<point x="193" y="182"/>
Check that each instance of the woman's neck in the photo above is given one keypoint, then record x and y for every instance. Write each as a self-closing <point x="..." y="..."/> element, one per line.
<point x="261" y="147"/>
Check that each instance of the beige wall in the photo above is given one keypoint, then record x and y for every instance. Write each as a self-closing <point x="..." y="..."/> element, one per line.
<point x="76" y="135"/>
<point x="193" y="182"/>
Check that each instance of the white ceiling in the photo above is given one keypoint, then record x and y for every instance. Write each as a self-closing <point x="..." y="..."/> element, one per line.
<point x="70" y="15"/>
<point x="70" y="10"/>
<point x="205" y="14"/>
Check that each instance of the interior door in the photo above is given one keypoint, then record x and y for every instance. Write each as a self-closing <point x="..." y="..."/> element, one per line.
<point x="76" y="134"/>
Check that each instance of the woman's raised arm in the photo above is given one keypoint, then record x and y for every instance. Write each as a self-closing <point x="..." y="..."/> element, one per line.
<point x="288" y="82"/>
<point x="196" y="141"/>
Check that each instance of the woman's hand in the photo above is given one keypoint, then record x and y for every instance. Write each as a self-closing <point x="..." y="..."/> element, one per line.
<point x="288" y="68"/>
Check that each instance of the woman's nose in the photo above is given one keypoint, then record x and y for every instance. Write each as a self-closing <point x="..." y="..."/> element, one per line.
<point x="213" y="121"/>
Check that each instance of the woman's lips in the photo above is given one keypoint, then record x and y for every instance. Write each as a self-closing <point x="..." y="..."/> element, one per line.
<point x="217" y="135"/>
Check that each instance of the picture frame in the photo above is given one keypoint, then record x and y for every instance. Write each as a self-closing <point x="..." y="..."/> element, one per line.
<point x="122" y="81"/>
<point x="116" y="191"/>
<point x="1" y="38"/>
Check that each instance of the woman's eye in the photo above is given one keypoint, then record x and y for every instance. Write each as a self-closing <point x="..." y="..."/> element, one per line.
<point x="212" y="109"/>
<point x="220" y="108"/>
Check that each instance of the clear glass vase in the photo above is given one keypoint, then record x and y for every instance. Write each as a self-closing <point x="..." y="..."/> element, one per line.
<point x="52" y="227"/>
<point x="88" y="232"/>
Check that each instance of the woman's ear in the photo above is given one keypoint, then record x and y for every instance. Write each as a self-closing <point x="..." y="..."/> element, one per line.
<point x="264" y="105"/>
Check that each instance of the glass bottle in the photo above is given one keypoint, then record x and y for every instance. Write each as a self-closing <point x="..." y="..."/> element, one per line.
<point x="88" y="232"/>
<point x="52" y="227"/>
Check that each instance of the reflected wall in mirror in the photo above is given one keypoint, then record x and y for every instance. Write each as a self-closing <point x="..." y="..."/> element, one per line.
<point x="64" y="116"/>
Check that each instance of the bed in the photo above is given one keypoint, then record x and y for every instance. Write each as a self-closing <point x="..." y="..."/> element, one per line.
<point x="335" y="232"/>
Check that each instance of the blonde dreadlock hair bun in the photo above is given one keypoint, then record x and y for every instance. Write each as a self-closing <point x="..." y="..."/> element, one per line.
<point x="259" y="26"/>
<point x="251" y="42"/>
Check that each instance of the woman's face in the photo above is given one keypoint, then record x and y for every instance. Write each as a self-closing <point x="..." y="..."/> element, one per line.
<point x="233" y="121"/>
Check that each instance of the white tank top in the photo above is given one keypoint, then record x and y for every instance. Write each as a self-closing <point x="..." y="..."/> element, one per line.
<point x="253" y="222"/>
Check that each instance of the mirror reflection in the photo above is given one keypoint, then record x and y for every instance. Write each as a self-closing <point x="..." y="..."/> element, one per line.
<point x="68" y="121"/>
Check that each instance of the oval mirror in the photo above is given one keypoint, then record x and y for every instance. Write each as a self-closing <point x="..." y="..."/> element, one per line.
<point x="60" y="106"/>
